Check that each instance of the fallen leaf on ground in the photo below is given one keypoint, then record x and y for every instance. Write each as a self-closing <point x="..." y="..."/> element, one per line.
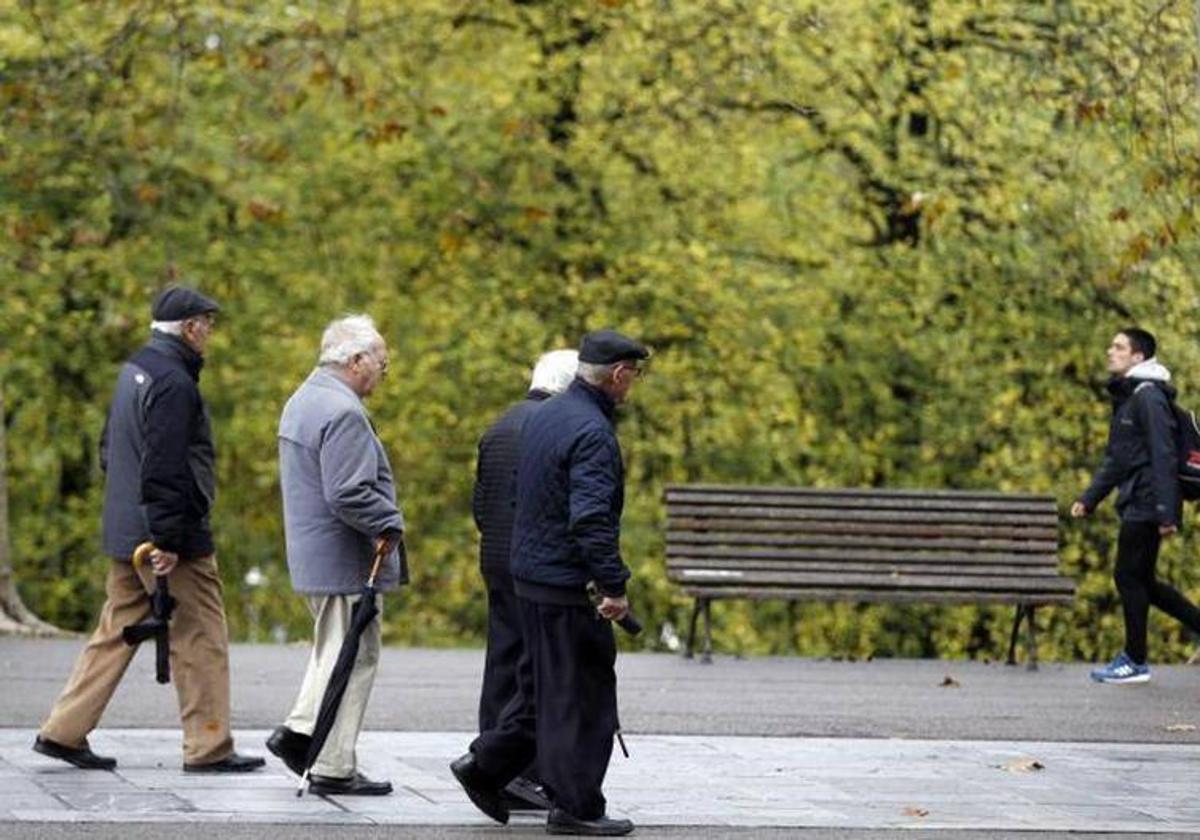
<point x="1181" y="727"/>
<point x="915" y="812"/>
<point x="950" y="682"/>
<point x="1022" y="765"/>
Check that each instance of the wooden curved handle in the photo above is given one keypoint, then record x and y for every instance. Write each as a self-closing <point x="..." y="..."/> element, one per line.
<point x="141" y="554"/>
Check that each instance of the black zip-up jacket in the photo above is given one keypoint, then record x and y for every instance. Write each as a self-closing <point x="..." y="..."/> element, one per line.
<point x="570" y="494"/>
<point x="1140" y="458"/>
<point x="157" y="454"/>
<point x="494" y="500"/>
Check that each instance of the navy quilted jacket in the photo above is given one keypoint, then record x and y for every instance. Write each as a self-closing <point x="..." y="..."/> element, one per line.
<point x="570" y="493"/>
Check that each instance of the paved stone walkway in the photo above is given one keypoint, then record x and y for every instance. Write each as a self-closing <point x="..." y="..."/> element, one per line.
<point x="669" y="781"/>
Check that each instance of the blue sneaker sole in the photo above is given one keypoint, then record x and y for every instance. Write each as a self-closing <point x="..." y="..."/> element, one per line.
<point x="1134" y="680"/>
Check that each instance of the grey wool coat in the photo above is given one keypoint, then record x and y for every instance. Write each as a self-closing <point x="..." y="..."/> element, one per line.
<point x="338" y="491"/>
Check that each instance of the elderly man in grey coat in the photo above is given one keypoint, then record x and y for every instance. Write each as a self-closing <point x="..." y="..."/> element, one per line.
<point x="339" y="509"/>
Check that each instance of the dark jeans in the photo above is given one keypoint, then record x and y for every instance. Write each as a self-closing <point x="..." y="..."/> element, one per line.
<point x="1137" y="555"/>
<point x="566" y="714"/>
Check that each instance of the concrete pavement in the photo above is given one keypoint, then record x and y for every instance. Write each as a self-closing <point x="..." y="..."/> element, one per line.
<point x="762" y="747"/>
<point x="670" y="781"/>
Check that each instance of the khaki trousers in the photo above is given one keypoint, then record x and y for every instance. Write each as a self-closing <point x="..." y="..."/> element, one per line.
<point x="199" y="659"/>
<point x="331" y="620"/>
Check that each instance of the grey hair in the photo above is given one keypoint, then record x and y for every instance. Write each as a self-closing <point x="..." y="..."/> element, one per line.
<point x="594" y="374"/>
<point x="346" y="338"/>
<point x="554" y="371"/>
<point x="168" y="327"/>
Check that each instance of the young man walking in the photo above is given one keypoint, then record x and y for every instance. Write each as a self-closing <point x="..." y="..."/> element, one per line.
<point x="1140" y="461"/>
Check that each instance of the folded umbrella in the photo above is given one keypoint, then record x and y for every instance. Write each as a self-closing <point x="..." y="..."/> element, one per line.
<point x="364" y="613"/>
<point x="158" y="625"/>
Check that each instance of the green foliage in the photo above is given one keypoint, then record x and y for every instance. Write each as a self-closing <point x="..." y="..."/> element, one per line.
<point x="872" y="243"/>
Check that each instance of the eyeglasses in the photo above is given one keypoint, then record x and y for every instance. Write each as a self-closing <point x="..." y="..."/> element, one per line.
<point x="638" y="372"/>
<point x="381" y="361"/>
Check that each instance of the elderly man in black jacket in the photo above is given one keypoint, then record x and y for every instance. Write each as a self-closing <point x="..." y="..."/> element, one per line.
<point x="1140" y="460"/>
<point x="160" y="481"/>
<point x="570" y="494"/>
<point x="494" y="504"/>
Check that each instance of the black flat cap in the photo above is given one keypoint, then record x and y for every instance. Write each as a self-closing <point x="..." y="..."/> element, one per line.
<point x="607" y="347"/>
<point x="177" y="303"/>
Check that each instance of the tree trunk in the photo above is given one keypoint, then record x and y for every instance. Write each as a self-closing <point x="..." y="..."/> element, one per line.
<point x="15" y="617"/>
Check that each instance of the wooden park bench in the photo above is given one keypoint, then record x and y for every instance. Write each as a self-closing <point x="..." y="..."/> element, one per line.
<point x="907" y="546"/>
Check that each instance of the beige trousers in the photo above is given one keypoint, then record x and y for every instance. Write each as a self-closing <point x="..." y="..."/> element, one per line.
<point x="331" y="620"/>
<point x="199" y="659"/>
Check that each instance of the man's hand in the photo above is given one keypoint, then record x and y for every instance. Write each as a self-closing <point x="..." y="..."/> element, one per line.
<point x="1167" y="530"/>
<point x="1079" y="510"/>
<point x="614" y="609"/>
<point x="163" y="562"/>
<point x="387" y="542"/>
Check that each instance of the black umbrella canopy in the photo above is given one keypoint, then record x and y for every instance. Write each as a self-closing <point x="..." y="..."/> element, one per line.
<point x="365" y="611"/>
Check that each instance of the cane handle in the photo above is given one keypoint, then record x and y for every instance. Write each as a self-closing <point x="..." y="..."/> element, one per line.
<point x="142" y="553"/>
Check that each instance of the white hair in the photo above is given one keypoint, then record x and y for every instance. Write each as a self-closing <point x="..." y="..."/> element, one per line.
<point x="595" y="374"/>
<point x="168" y="327"/>
<point x="347" y="337"/>
<point x="554" y="371"/>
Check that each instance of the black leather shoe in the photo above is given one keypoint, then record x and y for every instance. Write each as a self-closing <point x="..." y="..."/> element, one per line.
<point x="522" y="794"/>
<point x="480" y="790"/>
<point x="290" y="747"/>
<point x="234" y="763"/>
<point x="560" y="822"/>
<point x="81" y="757"/>
<point x="356" y="785"/>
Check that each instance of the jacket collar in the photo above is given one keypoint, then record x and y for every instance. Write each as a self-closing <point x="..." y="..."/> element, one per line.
<point x="537" y="395"/>
<point x="325" y="378"/>
<point x="175" y="347"/>
<point x="1121" y="388"/>
<point x="602" y="400"/>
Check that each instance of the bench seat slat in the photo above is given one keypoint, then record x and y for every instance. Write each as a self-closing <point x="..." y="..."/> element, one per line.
<point x="928" y="505"/>
<point x="870" y="493"/>
<point x="676" y="567"/>
<point x="879" y="580"/>
<point x="877" y="596"/>
<point x="733" y="554"/>
<point x="834" y="535"/>
<point x="1027" y="520"/>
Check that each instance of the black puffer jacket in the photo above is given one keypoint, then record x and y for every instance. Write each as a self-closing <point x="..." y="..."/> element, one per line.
<point x="1140" y="458"/>
<point x="570" y="494"/>
<point x="494" y="501"/>
<point x="157" y="454"/>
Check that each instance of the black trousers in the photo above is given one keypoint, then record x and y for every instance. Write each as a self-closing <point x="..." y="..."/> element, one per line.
<point x="505" y="644"/>
<point x="1137" y="555"/>
<point x="566" y="713"/>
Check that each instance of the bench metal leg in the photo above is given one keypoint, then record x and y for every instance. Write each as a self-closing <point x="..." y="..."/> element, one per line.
<point x="1031" y="660"/>
<point x="706" y="657"/>
<point x="691" y="642"/>
<point x="793" y="642"/>
<point x="1012" y="640"/>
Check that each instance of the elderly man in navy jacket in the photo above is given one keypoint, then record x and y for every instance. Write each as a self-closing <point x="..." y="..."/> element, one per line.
<point x="570" y="494"/>
<point x="159" y="483"/>
<point x="339" y="508"/>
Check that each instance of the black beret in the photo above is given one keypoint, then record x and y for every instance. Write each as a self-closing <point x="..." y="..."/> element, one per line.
<point x="607" y="347"/>
<point x="177" y="303"/>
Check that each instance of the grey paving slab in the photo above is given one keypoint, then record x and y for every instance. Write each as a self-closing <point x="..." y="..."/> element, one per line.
<point x="670" y="781"/>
